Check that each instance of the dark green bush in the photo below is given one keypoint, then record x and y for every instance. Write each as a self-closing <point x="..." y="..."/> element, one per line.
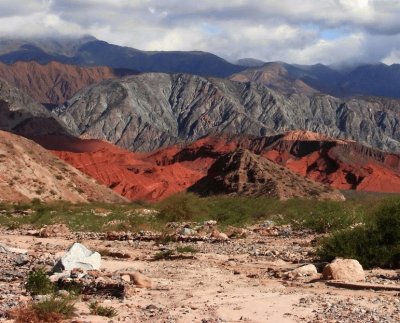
<point x="322" y="216"/>
<point x="180" y="207"/>
<point x="377" y="243"/>
<point x="39" y="283"/>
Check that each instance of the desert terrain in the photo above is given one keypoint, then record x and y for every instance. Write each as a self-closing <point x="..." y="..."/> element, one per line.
<point x="252" y="278"/>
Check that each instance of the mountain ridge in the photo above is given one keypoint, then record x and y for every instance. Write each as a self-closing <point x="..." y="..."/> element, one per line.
<point x="148" y="111"/>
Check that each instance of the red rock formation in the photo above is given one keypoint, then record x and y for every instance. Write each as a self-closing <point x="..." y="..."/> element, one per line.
<point x="154" y="176"/>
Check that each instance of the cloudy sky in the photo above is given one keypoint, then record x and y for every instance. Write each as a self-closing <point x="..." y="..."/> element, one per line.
<point x="295" y="31"/>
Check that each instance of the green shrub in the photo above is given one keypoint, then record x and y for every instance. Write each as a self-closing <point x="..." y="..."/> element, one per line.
<point x="100" y="310"/>
<point x="180" y="207"/>
<point x="39" y="283"/>
<point x="186" y="249"/>
<point x="377" y="243"/>
<point x="166" y="254"/>
<point x="322" y="216"/>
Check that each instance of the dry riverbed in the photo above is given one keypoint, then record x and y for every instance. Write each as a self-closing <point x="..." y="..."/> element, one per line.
<point x="238" y="280"/>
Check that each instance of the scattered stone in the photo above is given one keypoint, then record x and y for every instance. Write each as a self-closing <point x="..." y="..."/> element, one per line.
<point x="187" y="232"/>
<point x="349" y="270"/>
<point x="306" y="270"/>
<point x="219" y="235"/>
<point x="55" y="230"/>
<point x="126" y="278"/>
<point x="138" y="279"/>
<point x="7" y="249"/>
<point x="21" y="260"/>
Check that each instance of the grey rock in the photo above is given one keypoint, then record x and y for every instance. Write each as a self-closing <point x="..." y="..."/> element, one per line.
<point x="21" y="260"/>
<point x="306" y="270"/>
<point x="78" y="256"/>
<point x="149" y="111"/>
<point x="187" y="232"/>
<point x="7" y="249"/>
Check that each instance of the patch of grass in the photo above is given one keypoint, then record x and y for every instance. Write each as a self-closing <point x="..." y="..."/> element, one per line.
<point x="186" y="249"/>
<point x="321" y="216"/>
<point x="97" y="309"/>
<point x="165" y="254"/>
<point x="113" y="254"/>
<point x="39" y="283"/>
<point x="375" y="244"/>
<point x="52" y="310"/>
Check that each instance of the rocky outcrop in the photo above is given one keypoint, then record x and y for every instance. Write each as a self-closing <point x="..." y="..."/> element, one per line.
<point x="149" y="111"/>
<point x="52" y="84"/>
<point x="246" y="174"/>
<point x="19" y="113"/>
<point x="28" y="171"/>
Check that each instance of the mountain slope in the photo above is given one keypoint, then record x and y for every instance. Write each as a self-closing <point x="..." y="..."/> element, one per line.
<point x="366" y="80"/>
<point x="29" y="171"/>
<point x="246" y="174"/>
<point x="148" y="111"/>
<point x="154" y="176"/>
<point x="275" y="76"/>
<point x="88" y="51"/>
<point x="54" y="83"/>
<point x="19" y="113"/>
<point x="134" y="175"/>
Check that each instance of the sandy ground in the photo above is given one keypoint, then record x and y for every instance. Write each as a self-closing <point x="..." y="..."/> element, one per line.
<point x="223" y="283"/>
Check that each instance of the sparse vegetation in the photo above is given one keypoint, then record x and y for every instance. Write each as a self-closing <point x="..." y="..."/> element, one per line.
<point x="375" y="243"/>
<point x="39" y="283"/>
<point x="165" y="254"/>
<point x="186" y="249"/>
<point x="321" y="216"/>
<point x="52" y="310"/>
<point x="107" y="311"/>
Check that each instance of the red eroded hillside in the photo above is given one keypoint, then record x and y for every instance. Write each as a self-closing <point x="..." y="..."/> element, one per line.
<point x="54" y="83"/>
<point x="157" y="175"/>
<point x="137" y="176"/>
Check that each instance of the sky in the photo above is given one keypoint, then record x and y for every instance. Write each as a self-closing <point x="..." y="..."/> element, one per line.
<point x="332" y="32"/>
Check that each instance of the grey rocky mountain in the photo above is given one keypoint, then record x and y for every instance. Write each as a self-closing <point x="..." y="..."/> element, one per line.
<point x="148" y="111"/>
<point x="19" y="113"/>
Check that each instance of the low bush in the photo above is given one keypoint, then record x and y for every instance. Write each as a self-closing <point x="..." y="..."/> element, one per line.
<point x="107" y="311"/>
<point x="320" y="216"/>
<point x="377" y="243"/>
<point x="51" y="310"/>
<point x="39" y="283"/>
<point x="166" y="254"/>
<point x="186" y="249"/>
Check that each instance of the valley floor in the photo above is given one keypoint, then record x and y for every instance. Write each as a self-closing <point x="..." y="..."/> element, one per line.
<point x="241" y="280"/>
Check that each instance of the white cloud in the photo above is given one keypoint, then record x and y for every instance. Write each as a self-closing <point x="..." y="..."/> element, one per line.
<point x="288" y="30"/>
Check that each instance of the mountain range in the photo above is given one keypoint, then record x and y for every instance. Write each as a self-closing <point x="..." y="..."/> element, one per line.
<point x="148" y="111"/>
<point x="360" y="80"/>
<point x="89" y="51"/>
<point x="114" y="114"/>
<point x="364" y="80"/>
